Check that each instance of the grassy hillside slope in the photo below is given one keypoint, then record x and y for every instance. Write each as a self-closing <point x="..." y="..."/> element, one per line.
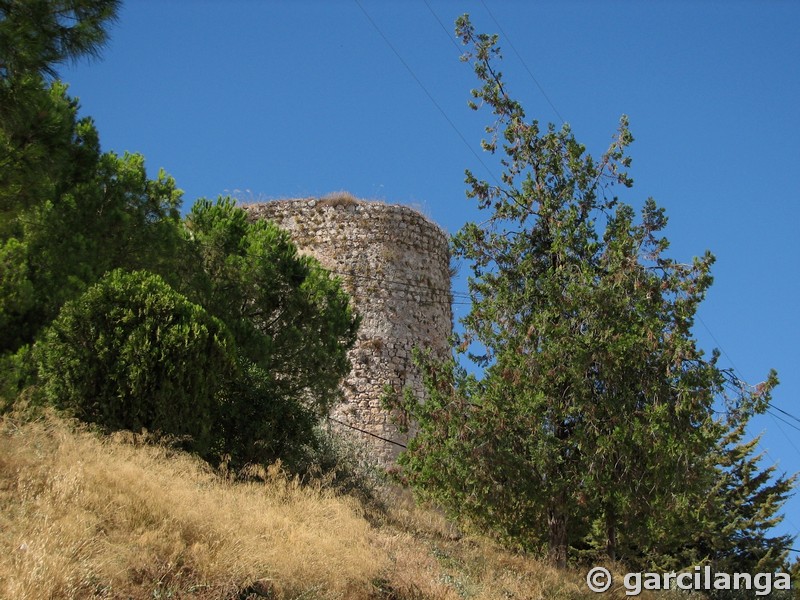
<point x="82" y="516"/>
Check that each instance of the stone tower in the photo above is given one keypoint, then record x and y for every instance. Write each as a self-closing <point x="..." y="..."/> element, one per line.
<point x="395" y="264"/>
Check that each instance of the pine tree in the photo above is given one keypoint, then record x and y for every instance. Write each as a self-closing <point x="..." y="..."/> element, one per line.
<point x="594" y="412"/>
<point x="37" y="35"/>
<point x="748" y="500"/>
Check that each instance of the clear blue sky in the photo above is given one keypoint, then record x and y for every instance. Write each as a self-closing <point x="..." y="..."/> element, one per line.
<point x="268" y="99"/>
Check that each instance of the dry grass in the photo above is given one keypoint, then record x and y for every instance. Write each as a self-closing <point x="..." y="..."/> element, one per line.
<point x="84" y="517"/>
<point x="88" y="517"/>
<point x="430" y="559"/>
<point x="341" y="198"/>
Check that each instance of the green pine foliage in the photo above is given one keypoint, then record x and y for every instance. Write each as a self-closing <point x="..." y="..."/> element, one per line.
<point x="70" y="213"/>
<point x="16" y="289"/>
<point x="213" y="328"/>
<point x="292" y="323"/>
<point x="592" y="429"/>
<point x="592" y="432"/>
<point x="37" y="35"/>
<point x="748" y="500"/>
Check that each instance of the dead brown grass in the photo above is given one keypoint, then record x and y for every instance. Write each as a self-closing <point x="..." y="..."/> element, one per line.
<point x="83" y="516"/>
<point x="341" y="198"/>
<point x="430" y="559"/>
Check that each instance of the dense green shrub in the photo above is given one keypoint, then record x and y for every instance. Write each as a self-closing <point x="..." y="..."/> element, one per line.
<point x="292" y="324"/>
<point x="243" y="354"/>
<point x="255" y="424"/>
<point x="17" y="372"/>
<point x="16" y="291"/>
<point x="132" y="353"/>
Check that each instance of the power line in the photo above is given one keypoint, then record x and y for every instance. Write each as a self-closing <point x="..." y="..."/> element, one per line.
<point x="771" y="414"/>
<point x="421" y="288"/>
<point x="785" y="516"/>
<point x="478" y="158"/>
<point x="510" y="43"/>
<point x="792" y="425"/>
<point x="791" y="416"/>
<point x="375" y="435"/>
<point x="544" y="93"/>
<point x="788" y="439"/>
<point x="721" y="349"/>
<point x="418" y="286"/>
<point x="738" y="375"/>
<point x="524" y="64"/>
<point x="447" y="33"/>
<point x="427" y="93"/>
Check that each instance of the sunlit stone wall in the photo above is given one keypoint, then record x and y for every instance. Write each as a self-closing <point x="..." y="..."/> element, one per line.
<point x="395" y="264"/>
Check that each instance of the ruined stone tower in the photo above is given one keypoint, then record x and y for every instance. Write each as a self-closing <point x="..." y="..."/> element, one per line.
<point x="395" y="265"/>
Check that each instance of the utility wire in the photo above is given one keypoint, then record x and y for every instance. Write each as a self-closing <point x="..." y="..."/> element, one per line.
<point x="741" y="378"/>
<point x="367" y="432"/>
<point x="790" y="424"/>
<point x="510" y="43"/>
<point x="427" y="93"/>
<point x="731" y="387"/>
<point x="448" y="34"/>
<point x="524" y="64"/>
<point x="791" y="416"/>
<point x="491" y="173"/>
<point x="791" y="443"/>
<point x="721" y="349"/>
<point x="544" y="93"/>
<point x="786" y="517"/>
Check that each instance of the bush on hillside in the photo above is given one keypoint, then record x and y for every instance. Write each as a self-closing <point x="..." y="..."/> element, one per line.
<point x="292" y="324"/>
<point x="256" y="425"/>
<point x="132" y="353"/>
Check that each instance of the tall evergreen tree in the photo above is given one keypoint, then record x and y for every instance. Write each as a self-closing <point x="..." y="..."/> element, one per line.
<point x="595" y="405"/>
<point x="38" y="35"/>
<point x="217" y="314"/>
<point x="68" y="212"/>
<point x="71" y="212"/>
<point x="747" y="501"/>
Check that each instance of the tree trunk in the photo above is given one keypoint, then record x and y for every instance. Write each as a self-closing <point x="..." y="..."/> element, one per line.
<point x="611" y="532"/>
<point x="557" y="522"/>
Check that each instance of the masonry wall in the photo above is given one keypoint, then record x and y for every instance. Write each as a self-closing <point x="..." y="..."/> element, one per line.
<point x="395" y="264"/>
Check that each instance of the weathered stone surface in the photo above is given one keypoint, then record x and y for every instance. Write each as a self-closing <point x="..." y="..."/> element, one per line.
<point x="395" y="264"/>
